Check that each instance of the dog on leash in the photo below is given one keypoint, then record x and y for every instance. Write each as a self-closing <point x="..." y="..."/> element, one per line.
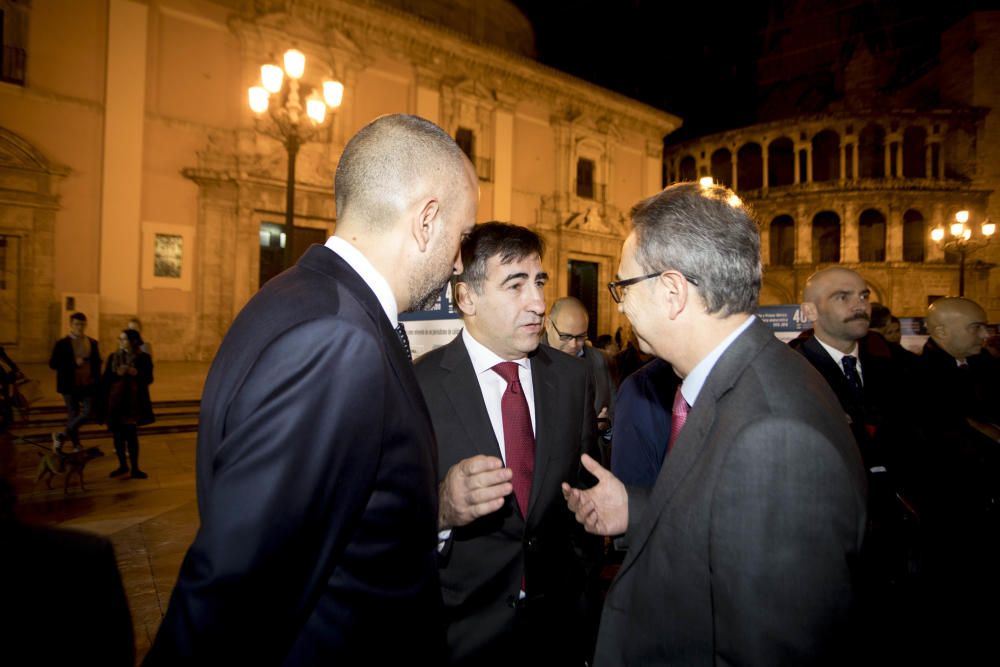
<point x="67" y="464"/>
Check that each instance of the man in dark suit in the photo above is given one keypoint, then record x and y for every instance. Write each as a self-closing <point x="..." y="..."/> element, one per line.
<point x="317" y="471"/>
<point x="876" y="394"/>
<point x="77" y="363"/>
<point x="512" y="419"/>
<point x="743" y="550"/>
<point x="643" y="429"/>
<point x="566" y="331"/>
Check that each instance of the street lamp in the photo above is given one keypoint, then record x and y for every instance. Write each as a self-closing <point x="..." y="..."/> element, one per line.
<point x="961" y="241"/>
<point x="287" y="122"/>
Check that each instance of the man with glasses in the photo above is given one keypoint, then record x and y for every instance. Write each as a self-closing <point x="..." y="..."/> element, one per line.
<point x="744" y="550"/>
<point x="566" y="330"/>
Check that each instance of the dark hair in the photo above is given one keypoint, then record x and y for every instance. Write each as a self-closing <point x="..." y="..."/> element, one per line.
<point x="705" y="233"/>
<point x="880" y="315"/>
<point x="491" y="239"/>
<point x="383" y="161"/>
<point x="134" y="338"/>
<point x="78" y="316"/>
<point x="603" y="341"/>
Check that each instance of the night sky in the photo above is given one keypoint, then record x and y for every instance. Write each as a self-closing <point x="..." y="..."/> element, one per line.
<point x="699" y="59"/>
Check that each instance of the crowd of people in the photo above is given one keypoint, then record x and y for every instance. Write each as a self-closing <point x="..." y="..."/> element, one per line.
<point x="830" y="501"/>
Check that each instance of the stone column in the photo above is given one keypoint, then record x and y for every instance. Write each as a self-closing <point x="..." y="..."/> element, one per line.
<point x="121" y="180"/>
<point x="803" y="236"/>
<point x="899" y="157"/>
<point x="894" y="235"/>
<point x="843" y="160"/>
<point x="503" y="162"/>
<point x="850" y="243"/>
<point x="935" y="253"/>
<point x="809" y="163"/>
<point x="765" y="180"/>
<point x="854" y="161"/>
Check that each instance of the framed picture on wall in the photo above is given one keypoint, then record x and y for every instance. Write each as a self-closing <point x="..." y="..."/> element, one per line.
<point x="167" y="256"/>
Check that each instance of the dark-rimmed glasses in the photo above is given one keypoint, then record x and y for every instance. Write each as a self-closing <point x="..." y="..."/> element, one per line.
<point x="565" y="337"/>
<point x="617" y="287"/>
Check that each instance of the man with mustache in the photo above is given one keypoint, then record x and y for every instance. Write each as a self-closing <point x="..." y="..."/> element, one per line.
<point x="876" y="393"/>
<point x="317" y="488"/>
<point x="512" y="419"/>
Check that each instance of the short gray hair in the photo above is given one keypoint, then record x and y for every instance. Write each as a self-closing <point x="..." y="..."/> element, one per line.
<point x="383" y="161"/>
<point x="708" y="234"/>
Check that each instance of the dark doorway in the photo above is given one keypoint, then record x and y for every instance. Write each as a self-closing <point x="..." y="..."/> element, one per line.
<point x="272" y="247"/>
<point x="583" y="285"/>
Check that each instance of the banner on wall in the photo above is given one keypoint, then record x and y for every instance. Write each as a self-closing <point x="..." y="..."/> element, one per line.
<point x="434" y="327"/>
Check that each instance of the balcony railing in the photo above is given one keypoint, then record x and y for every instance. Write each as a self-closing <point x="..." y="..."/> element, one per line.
<point x="12" y="61"/>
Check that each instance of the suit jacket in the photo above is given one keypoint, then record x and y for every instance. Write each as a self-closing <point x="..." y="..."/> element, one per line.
<point x="483" y="563"/>
<point x="67" y="578"/>
<point x="600" y="372"/>
<point x="642" y="431"/>
<point x="317" y="488"/>
<point x="744" y="550"/>
<point x="63" y="362"/>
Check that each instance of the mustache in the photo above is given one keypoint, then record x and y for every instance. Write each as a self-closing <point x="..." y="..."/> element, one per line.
<point x="859" y="316"/>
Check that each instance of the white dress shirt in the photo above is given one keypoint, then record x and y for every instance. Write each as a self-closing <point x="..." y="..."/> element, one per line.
<point x="695" y="380"/>
<point x="838" y="355"/>
<point x="493" y="386"/>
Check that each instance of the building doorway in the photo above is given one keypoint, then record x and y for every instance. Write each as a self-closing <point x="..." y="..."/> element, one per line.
<point x="583" y="278"/>
<point x="272" y="244"/>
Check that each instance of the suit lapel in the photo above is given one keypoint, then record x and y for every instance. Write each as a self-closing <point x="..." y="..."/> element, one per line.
<point x="462" y="389"/>
<point x="691" y="443"/>
<point x="545" y="390"/>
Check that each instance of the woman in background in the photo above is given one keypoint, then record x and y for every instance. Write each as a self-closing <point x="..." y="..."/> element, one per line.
<point x="127" y="376"/>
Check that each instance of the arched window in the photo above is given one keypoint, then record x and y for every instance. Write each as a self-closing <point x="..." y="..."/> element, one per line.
<point x="688" y="169"/>
<point x="780" y="162"/>
<point x="782" y="241"/>
<point x="722" y="167"/>
<point x="871" y="152"/>
<point x="826" y="237"/>
<point x="750" y="167"/>
<point x="871" y="236"/>
<point x="826" y="156"/>
<point x="914" y="236"/>
<point x="914" y="152"/>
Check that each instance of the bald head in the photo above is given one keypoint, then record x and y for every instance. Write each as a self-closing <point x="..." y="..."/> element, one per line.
<point x="567" y="325"/>
<point x="392" y="162"/>
<point x="836" y="300"/>
<point x="958" y="326"/>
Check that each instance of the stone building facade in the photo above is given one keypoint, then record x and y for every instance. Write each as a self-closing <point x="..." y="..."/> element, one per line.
<point x="863" y="184"/>
<point x="128" y="135"/>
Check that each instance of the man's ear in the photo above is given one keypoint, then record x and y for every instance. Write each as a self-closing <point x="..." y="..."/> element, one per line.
<point x="425" y="223"/>
<point x="674" y="291"/>
<point x="808" y="311"/>
<point x="464" y="298"/>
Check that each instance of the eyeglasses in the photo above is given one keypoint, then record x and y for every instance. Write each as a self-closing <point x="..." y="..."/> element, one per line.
<point x="617" y="287"/>
<point x="565" y="337"/>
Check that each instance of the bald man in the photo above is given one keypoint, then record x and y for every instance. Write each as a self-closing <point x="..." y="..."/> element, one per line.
<point x="876" y="395"/>
<point x="317" y="478"/>
<point x="566" y="330"/>
<point x="962" y="388"/>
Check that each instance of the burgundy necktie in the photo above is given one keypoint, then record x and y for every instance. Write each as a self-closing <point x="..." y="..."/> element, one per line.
<point x="519" y="440"/>
<point x="680" y="415"/>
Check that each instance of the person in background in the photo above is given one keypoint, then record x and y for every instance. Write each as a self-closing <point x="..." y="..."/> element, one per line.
<point x="77" y="363"/>
<point x="136" y="325"/>
<point x="127" y="376"/>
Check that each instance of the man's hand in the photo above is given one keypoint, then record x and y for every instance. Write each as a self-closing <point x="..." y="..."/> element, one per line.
<point x="602" y="509"/>
<point x="473" y="487"/>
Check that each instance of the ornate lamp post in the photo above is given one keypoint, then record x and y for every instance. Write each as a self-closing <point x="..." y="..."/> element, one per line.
<point x="289" y="124"/>
<point x="961" y="241"/>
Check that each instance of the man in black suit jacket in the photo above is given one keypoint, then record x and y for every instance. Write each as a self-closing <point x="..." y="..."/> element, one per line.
<point x="513" y="562"/>
<point x="77" y="363"/>
<point x="878" y="398"/>
<point x="743" y="551"/>
<point x="317" y="471"/>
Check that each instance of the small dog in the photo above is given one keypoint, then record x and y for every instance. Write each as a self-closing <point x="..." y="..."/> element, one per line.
<point x="65" y="463"/>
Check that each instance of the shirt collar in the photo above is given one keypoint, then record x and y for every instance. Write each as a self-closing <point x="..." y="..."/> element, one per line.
<point x="378" y="284"/>
<point x="483" y="358"/>
<point x="837" y="354"/>
<point x="695" y="380"/>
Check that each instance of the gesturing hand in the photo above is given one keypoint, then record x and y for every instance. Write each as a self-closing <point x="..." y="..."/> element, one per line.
<point x="603" y="508"/>
<point x="473" y="487"/>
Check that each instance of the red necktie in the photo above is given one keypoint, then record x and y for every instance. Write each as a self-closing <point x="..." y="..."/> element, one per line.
<point x="519" y="440"/>
<point x="680" y="415"/>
